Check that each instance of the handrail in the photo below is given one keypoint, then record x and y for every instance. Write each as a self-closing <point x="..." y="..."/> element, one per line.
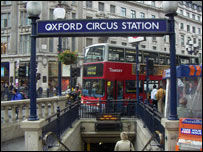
<point x="55" y="136"/>
<point x="152" y="137"/>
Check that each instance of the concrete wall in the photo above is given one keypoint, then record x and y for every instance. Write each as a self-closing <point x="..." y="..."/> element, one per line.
<point x="11" y="131"/>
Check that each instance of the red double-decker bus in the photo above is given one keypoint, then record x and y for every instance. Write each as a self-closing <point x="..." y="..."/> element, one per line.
<point x="109" y="72"/>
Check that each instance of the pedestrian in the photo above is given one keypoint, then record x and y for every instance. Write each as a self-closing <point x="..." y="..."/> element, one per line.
<point x="160" y="96"/>
<point x="124" y="144"/>
<point x="16" y="96"/>
<point x="182" y="110"/>
<point x="40" y="91"/>
<point x="153" y="96"/>
<point x="191" y="89"/>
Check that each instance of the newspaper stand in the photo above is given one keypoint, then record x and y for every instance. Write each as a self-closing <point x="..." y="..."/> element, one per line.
<point x="189" y="88"/>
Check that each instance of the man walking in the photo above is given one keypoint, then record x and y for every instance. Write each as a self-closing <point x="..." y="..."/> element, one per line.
<point x="160" y="95"/>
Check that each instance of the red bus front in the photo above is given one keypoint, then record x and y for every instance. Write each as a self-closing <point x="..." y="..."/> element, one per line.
<point x="113" y="80"/>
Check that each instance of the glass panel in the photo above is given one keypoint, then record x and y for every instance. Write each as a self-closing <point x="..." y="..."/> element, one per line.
<point x="93" y="88"/>
<point x="119" y="90"/>
<point x="116" y="54"/>
<point x="130" y="55"/>
<point x="131" y="86"/>
<point x="94" y="54"/>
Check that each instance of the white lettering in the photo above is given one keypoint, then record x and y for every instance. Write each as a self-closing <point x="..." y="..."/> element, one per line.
<point x="87" y="26"/>
<point x="59" y="26"/>
<point x="48" y="27"/>
<point x="66" y="26"/>
<point x="115" y="70"/>
<point x="124" y="25"/>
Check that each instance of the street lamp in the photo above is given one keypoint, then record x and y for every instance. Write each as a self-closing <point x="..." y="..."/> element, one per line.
<point x="33" y="9"/>
<point x="170" y="8"/>
<point x="59" y="13"/>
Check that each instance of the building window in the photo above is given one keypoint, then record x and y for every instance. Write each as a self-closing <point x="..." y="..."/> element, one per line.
<point x="123" y="11"/>
<point x="73" y="15"/>
<point x="5" y="20"/>
<point x="165" y="39"/>
<point x="143" y="46"/>
<point x="88" y="4"/>
<point x="65" y="45"/>
<point x="200" y="43"/>
<point x="24" y="20"/>
<point x="101" y="6"/>
<point x="133" y="14"/>
<point x="198" y="18"/>
<point x="51" y="14"/>
<point x="153" y="38"/>
<point x="188" y="28"/>
<point x="113" y="42"/>
<point x="165" y="49"/>
<point x="199" y="31"/>
<point x="194" y="40"/>
<point x="181" y="12"/>
<point x="51" y="45"/>
<point x="182" y="40"/>
<point x="193" y="16"/>
<point x="142" y="15"/>
<point x="188" y="14"/>
<point x="183" y="51"/>
<point x="193" y="29"/>
<point x="89" y="41"/>
<point x="181" y="26"/>
<point x="124" y="44"/>
<point x="25" y="44"/>
<point x="153" y="3"/>
<point x="153" y="16"/>
<point x="89" y="17"/>
<point x="5" y="43"/>
<point x="113" y="9"/>
<point x="154" y="47"/>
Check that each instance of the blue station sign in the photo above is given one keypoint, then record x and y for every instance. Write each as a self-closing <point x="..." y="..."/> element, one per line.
<point x="102" y="27"/>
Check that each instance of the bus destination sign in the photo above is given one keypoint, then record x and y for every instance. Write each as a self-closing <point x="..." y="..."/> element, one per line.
<point x="102" y="27"/>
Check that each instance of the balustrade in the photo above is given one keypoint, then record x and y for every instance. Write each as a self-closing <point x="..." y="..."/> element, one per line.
<point x="45" y="108"/>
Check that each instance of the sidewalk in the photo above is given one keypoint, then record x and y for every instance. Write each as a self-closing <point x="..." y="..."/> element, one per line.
<point x="14" y="145"/>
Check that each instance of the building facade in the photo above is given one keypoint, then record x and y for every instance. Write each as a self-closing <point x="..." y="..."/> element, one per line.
<point x="16" y="31"/>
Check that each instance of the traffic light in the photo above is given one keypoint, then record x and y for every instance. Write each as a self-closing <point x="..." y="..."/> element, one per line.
<point x="74" y="72"/>
<point x="151" y="67"/>
<point x="22" y="71"/>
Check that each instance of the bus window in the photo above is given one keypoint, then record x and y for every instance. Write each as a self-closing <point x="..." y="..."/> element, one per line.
<point x="116" y="54"/>
<point x="119" y="89"/>
<point x="131" y="86"/>
<point x="93" y="88"/>
<point x="94" y="54"/>
<point x="130" y="55"/>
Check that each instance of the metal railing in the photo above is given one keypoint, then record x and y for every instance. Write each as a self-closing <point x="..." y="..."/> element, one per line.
<point x="127" y="108"/>
<point x="62" y="120"/>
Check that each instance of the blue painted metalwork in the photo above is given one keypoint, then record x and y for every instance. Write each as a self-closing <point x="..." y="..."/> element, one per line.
<point x="33" y="106"/>
<point x="59" y="67"/>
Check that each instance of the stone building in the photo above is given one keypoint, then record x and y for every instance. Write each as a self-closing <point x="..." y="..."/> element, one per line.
<point x="16" y="31"/>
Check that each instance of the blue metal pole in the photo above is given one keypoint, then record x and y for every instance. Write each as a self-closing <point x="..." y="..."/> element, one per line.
<point x="173" y="93"/>
<point x="59" y="67"/>
<point x="137" y="72"/>
<point x="147" y="78"/>
<point x="33" y="106"/>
